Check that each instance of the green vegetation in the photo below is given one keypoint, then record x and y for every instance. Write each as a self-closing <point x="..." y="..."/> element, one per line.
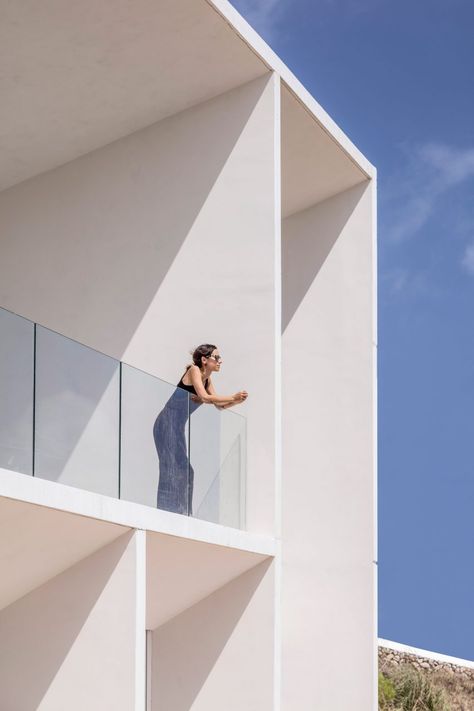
<point x="407" y="689"/>
<point x="386" y="692"/>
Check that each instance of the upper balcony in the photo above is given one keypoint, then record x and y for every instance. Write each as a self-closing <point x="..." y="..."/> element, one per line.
<point x="73" y="415"/>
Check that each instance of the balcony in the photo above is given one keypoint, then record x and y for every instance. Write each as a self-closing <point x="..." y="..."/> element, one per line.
<point x="73" y="415"/>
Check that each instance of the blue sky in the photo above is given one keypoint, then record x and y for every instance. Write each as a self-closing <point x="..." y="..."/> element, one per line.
<point x="398" y="78"/>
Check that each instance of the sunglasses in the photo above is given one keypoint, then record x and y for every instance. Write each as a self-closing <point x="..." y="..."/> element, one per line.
<point x="217" y="358"/>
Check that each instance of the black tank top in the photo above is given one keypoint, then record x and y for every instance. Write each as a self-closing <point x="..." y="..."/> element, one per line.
<point x="190" y="388"/>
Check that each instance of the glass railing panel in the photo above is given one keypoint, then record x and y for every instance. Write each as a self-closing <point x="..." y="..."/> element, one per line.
<point x="204" y="455"/>
<point x="218" y="460"/>
<point x="154" y="442"/>
<point x="77" y="414"/>
<point x="16" y="392"/>
<point x="233" y="475"/>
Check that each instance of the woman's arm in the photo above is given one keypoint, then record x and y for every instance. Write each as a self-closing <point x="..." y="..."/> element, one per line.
<point x="209" y="397"/>
<point x="222" y="406"/>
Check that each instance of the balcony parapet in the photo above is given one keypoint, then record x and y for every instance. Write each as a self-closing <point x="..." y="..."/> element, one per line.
<point x="74" y="416"/>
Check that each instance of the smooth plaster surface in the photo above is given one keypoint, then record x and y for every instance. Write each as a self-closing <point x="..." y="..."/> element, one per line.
<point x="328" y="574"/>
<point x="313" y="166"/>
<point x="182" y="572"/>
<point x="57" y="497"/>
<point x="71" y="642"/>
<point x="38" y="543"/>
<point x="218" y="654"/>
<point x="77" y="76"/>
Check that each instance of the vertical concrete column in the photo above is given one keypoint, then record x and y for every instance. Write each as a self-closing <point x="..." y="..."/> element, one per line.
<point x="139" y="540"/>
<point x="277" y="563"/>
<point x="328" y="531"/>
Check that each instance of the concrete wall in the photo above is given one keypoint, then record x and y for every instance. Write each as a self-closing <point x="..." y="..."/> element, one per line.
<point x="218" y="654"/>
<point x="158" y="242"/>
<point x="328" y="464"/>
<point x="71" y="643"/>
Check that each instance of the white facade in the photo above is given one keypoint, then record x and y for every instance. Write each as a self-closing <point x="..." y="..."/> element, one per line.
<point x="166" y="182"/>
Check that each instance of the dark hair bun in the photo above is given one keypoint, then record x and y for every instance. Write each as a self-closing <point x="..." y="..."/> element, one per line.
<point x="202" y="351"/>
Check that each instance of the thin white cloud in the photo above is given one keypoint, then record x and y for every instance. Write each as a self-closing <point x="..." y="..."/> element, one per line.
<point x="432" y="171"/>
<point x="395" y="279"/>
<point x="468" y="259"/>
<point x="401" y="281"/>
<point x="351" y="8"/>
<point x="263" y="15"/>
<point x="453" y="165"/>
<point x="266" y="16"/>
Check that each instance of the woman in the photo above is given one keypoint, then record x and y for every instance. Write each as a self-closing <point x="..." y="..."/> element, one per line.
<point x="175" y="489"/>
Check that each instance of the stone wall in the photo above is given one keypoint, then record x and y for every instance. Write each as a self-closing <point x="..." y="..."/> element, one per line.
<point x="389" y="658"/>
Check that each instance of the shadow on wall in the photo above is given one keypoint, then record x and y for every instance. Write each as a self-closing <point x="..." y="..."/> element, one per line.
<point x="85" y="247"/>
<point x="85" y="250"/>
<point x="303" y="257"/>
<point x="187" y="649"/>
<point x="39" y="632"/>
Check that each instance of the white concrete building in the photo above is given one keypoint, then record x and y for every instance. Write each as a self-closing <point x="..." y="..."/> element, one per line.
<point x="167" y="181"/>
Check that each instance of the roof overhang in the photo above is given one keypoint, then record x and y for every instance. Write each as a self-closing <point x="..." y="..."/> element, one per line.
<point x="77" y="76"/>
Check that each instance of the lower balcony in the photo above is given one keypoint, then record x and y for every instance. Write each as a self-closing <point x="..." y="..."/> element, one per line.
<point x="99" y="615"/>
<point x="75" y="416"/>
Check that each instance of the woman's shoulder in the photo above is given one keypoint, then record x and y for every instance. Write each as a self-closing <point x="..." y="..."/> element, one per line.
<point x="188" y="373"/>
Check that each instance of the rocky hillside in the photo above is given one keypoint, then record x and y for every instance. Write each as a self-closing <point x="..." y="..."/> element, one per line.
<point x="457" y="682"/>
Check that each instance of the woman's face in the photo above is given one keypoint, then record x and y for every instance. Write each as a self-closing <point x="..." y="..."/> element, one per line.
<point x="215" y="360"/>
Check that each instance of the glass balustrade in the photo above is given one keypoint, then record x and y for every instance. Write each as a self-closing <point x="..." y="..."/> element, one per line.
<point x="217" y="457"/>
<point x="16" y="392"/>
<point x="76" y="416"/>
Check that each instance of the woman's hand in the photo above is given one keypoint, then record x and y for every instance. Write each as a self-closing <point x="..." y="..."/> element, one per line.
<point x="228" y="401"/>
<point x="241" y="396"/>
